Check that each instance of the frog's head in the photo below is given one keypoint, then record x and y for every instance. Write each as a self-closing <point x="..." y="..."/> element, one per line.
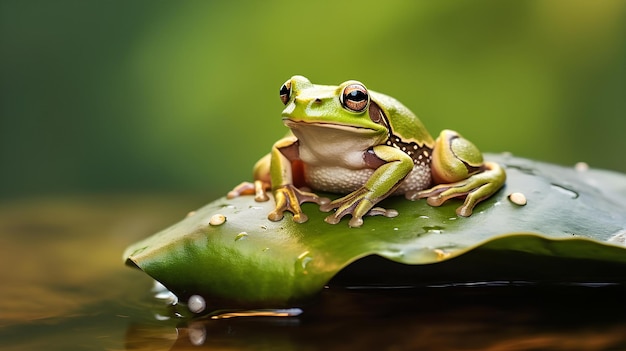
<point x="349" y="107"/>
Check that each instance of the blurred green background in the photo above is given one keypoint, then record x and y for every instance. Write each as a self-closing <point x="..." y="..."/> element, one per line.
<point x="182" y="96"/>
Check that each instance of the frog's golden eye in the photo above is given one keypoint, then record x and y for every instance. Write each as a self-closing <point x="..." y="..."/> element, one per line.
<point x="285" y="92"/>
<point x="355" y="97"/>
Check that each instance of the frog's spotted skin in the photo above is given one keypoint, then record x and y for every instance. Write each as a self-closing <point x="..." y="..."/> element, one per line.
<point x="421" y="155"/>
<point x="350" y="140"/>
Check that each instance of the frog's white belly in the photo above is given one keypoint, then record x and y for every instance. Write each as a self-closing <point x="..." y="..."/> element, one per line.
<point x="333" y="158"/>
<point x="343" y="180"/>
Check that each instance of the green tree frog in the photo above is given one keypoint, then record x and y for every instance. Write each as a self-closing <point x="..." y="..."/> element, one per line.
<point x="347" y="139"/>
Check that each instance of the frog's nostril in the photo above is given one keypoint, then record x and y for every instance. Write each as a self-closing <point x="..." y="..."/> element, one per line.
<point x="318" y="101"/>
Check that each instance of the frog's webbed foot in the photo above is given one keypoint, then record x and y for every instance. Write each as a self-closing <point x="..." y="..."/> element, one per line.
<point x="358" y="205"/>
<point x="289" y="198"/>
<point x="475" y="189"/>
<point x="258" y="189"/>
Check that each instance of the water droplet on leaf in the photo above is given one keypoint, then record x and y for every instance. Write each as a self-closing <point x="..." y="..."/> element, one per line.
<point x="241" y="236"/>
<point x="217" y="219"/>
<point x="196" y="303"/>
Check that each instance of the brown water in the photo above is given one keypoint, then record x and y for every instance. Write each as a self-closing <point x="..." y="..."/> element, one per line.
<point x="64" y="287"/>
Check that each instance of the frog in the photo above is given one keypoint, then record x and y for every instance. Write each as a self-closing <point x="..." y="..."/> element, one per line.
<point x="366" y="146"/>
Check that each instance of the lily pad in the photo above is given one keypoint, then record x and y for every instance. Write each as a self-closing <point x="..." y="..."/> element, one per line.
<point x="570" y="216"/>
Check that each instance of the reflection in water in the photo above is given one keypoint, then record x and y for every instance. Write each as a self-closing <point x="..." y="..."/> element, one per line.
<point x="289" y="312"/>
<point x="480" y="317"/>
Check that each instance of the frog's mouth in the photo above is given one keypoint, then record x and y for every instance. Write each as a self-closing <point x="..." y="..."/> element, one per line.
<point x="333" y="143"/>
<point x="294" y="123"/>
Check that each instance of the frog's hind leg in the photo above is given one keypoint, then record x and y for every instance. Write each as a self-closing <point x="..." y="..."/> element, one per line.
<point x="475" y="189"/>
<point x="258" y="189"/>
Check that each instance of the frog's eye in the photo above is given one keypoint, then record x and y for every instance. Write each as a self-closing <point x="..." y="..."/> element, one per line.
<point x="285" y="92"/>
<point x="355" y="97"/>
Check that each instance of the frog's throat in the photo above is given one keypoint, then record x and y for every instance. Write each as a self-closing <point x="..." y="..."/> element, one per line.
<point x="294" y="123"/>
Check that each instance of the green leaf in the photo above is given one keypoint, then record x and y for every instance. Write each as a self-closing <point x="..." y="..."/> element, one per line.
<point x="571" y="216"/>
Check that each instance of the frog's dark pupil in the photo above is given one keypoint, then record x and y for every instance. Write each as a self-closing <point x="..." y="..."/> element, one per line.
<point x="284" y="93"/>
<point x="357" y="95"/>
<point x="284" y="90"/>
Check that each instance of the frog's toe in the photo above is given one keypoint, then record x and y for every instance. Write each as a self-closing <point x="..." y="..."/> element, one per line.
<point x="466" y="209"/>
<point x="323" y="201"/>
<point x="332" y="219"/>
<point x="275" y="216"/>
<point x="260" y="191"/>
<point x="379" y="211"/>
<point x="327" y="207"/>
<point x="355" y="222"/>
<point x="282" y="205"/>
<point x="300" y="217"/>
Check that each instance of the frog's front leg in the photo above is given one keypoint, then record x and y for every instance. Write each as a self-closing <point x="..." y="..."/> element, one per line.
<point x="286" y="195"/>
<point x="392" y="166"/>
<point x="458" y="169"/>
